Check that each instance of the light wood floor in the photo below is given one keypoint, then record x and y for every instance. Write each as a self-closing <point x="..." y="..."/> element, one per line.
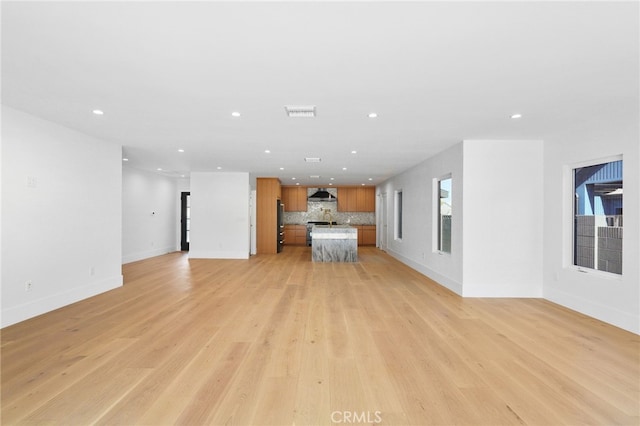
<point x="278" y="340"/>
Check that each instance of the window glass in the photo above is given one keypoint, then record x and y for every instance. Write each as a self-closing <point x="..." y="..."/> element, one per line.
<point x="444" y="215"/>
<point x="597" y="236"/>
<point x="398" y="215"/>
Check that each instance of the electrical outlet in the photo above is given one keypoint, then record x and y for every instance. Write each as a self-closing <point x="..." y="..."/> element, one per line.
<point x="28" y="285"/>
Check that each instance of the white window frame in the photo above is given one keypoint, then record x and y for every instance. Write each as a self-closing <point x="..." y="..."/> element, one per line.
<point x="398" y="208"/>
<point x="436" y="214"/>
<point x="568" y="209"/>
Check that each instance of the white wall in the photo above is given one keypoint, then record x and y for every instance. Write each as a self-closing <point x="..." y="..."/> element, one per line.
<point x="502" y="221"/>
<point x="220" y="215"/>
<point x="417" y="248"/>
<point x="496" y="248"/>
<point x="608" y="297"/>
<point x="149" y="215"/>
<point x="61" y="216"/>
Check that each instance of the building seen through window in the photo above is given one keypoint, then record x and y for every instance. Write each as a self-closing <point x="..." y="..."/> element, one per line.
<point x="597" y="237"/>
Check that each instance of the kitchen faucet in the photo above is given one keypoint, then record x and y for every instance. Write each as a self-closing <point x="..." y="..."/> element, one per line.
<point x="324" y="216"/>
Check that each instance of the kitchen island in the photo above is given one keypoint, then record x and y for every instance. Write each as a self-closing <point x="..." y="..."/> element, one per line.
<point x="334" y="243"/>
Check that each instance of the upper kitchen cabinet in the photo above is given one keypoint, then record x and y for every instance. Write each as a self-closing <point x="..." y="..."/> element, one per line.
<point x="347" y="199"/>
<point x="357" y="199"/>
<point x="366" y="199"/>
<point x="294" y="198"/>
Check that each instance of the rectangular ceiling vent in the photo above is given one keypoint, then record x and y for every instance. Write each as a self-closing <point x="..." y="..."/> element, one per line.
<point x="300" y="111"/>
<point x="312" y="159"/>
<point x="314" y="177"/>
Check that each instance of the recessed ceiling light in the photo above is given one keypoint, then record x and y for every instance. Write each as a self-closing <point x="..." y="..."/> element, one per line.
<point x="293" y="178"/>
<point x="330" y="183"/>
<point x="181" y="150"/>
<point x="332" y="178"/>
<point x="297" y="183"/>
<point x="125" y="159"/>
<point x="354" y="152"/>
<point x="372" y="115"/>
<point x="235" y="114"/>
<point x="344" y="168"/>
<point x="281" y="168"/>
<point x="516" y="116"/>
<point x="98" y="112"/>
<point x="219" y="168"/>
<point x="370" y="178"/>
<point x="159" y="169"/>
<point x="363" y="184"/>
<point x="266" y="151"/>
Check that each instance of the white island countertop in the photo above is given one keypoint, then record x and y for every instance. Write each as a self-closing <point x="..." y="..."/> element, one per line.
<point x="334" y="232"/>
<point x="334" y="243"/>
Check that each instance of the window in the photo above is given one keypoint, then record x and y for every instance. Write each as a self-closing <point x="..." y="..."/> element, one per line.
<point x="444" y="215"/>
<point x="597" y="231"/>
<point x="398" y="215"/>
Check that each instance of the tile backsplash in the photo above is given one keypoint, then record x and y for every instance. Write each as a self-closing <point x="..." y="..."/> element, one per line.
<point x="316" y="212"/>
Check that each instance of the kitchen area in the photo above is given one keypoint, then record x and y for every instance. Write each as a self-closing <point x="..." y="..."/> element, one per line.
<point x="341" y="218"/>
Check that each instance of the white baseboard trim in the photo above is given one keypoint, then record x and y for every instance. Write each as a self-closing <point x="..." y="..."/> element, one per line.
<point x="624" y="320"/>
<point x="446" y="282"/>
<point x="134" y="257"/>
<point x="46" y="304"/>
<point x="206" y="254"/>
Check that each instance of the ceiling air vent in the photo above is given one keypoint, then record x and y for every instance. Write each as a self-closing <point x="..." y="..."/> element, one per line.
<point x="300" y="111"/>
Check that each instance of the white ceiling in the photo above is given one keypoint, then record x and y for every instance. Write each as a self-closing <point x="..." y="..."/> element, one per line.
<point x="168" y="75"/>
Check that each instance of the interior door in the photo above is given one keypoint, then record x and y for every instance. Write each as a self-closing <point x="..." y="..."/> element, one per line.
<point x="185" y="220"/>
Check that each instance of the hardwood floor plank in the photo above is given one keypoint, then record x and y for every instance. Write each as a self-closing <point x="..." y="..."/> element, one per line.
<point x="210" y="393"/>
<point x="280" y="340"/>
<point x="131" y="408"/>
<point x="20" y="401"/>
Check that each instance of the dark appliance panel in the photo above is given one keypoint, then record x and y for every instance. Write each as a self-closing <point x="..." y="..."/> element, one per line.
<point x="280" y="226"/>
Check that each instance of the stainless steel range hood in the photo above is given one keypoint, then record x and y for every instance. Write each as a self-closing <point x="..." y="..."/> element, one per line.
<point x="321" y="194"/>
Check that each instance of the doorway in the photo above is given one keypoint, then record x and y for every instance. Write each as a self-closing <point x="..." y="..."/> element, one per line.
<point x="185" y="220"/>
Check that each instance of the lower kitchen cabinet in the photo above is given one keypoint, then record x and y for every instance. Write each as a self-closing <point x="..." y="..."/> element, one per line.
<point x="295" y="235"/>
<point x="366" y="235"/>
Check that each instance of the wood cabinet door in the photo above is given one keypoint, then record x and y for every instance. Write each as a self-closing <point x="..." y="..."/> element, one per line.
<point x="267" y="193"/>
<point x="342" y="199"/>
<point x="368" y="235"/>
<point x="288" y="235"/>
<point x="352" y="200"/>
<point x="301" y="235"/>
<point x="295" y="235"/>
<point x="366" y="199"/>
<point x="301" y="199"/>
<point x="286" y="198"/>
<point x="294" y="198"/>
<point x="356" y="199"/>
<point x="369" y="199"/>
